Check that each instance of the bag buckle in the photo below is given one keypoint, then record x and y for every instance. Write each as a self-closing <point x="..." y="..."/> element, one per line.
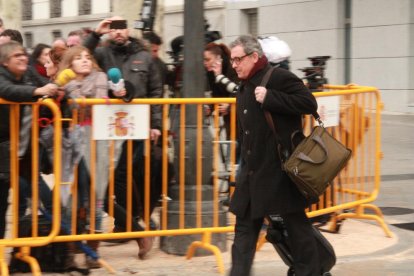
<point x="320" y="122"/>
<point x="296" y="170"/>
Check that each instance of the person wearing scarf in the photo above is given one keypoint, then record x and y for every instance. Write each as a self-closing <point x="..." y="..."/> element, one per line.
<point x="262" y="187"/>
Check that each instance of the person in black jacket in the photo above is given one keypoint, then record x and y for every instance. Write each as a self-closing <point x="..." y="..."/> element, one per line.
<point x="262" y="187"/>
<point x="139" y="70"/>
<point x="222" y="79"/>
<point x="18" y="84"/>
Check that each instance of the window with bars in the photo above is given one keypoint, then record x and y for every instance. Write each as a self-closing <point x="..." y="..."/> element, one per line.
<point x="27" y="12"/>
<point x="28" y="39"/>
<point x="84" y="7"/>
<point x="56" y="34"/>
<point x="55" y="8"/>
<point x="251" y="15"/>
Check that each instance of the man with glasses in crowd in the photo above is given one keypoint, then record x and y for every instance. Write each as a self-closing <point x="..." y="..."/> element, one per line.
<point x="262" y="187"/>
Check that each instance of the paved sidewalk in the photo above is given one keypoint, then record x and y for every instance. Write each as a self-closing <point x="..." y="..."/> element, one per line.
<point x="361" y="248"/>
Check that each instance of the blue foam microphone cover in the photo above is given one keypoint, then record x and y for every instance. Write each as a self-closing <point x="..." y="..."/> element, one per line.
<point x="114" y="74"/>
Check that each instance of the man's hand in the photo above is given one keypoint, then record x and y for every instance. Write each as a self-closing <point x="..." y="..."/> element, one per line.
<point x="217" y="67"/>
<point x="154" y="135"/>
<point x="49" y="90"/>
<point x="223" y="108"/>
<point x="120" y="93"/>
<point x="260" y="93"/>
<point x="103" y="27"/>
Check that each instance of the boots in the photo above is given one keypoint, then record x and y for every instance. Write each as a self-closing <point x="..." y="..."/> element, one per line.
<point x="90" y="262"/>
<point x="145" y="245"/>
<point x="70" y="259"/>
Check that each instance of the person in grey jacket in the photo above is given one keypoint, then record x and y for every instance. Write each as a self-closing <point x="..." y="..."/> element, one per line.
<point x="140" y="73"/>
<point x="135" y="62"/>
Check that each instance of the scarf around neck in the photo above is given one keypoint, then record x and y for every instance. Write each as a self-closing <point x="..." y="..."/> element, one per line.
<point x="260" y="64"/>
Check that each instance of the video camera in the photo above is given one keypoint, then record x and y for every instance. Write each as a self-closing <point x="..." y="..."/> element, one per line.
<point x="178" y="42"/>
<point x="315" y="75"/>
<point x="177" y="56"/>
<point x="146" y="23"/>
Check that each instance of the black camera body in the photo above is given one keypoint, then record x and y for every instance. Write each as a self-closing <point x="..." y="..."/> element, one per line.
<point x="315" y="75"/>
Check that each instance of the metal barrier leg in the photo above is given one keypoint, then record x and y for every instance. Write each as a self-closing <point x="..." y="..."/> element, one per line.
<point x="4" y="270"/>
<point x="25" y="257"/>
<point x="106" y="266"/>
<point x="334" y="224"/>
<point x="359" y="214"/>
<point x="379" y="218"/>
<point x="206" y="244"/>
<point x="261" y="241"/>
<point x="375" y="208"/>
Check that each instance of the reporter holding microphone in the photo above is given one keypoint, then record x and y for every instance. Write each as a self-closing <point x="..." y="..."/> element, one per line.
<point x="137" y="68"/>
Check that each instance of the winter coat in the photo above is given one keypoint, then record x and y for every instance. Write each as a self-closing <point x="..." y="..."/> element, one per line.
<point x="261" y="185"/>
<point x="12" y="89"/>
<point x="137" y="67"/>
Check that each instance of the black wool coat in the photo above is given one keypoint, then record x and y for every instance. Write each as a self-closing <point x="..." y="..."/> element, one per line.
<point x="261" y="185"/>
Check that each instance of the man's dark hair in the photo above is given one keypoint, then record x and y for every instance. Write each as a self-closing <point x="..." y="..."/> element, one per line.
<point x="1" y="22"/>
<point x="14" y="35"/>
<point x="152" y="37"/>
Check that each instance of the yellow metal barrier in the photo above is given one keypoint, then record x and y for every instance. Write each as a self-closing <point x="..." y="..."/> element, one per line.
<point x="355" y="188"/>
<point x="360" y="129"/>
<point x="35" y="240"/>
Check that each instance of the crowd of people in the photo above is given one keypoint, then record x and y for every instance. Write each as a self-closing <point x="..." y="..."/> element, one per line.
<point x="262" y="188"/>
<point x="25" y="78"/>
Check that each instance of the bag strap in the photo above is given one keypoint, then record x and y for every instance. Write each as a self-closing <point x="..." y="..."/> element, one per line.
<point x="267" y="114"/>
<point x="269" y="118"/>
<point x="266" y="77"/>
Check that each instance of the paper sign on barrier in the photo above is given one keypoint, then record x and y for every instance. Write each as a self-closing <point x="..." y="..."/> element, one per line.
<point x="120" y="122"/>
<point x="328" y="110"/>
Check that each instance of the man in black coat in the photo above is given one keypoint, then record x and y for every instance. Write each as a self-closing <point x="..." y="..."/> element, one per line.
<point x="262" y="187"/>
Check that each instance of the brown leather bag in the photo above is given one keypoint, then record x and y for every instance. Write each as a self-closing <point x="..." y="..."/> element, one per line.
<point x="315" y="161"/>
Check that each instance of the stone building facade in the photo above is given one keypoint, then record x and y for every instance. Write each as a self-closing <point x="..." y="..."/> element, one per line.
<point x="371" y="42"/>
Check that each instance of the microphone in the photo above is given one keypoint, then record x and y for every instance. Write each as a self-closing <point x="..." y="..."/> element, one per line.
<point x="115" y="82"/>
<point x="64" y="77"/>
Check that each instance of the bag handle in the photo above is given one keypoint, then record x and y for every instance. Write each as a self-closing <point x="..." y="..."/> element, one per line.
<point x="302" y="156"/>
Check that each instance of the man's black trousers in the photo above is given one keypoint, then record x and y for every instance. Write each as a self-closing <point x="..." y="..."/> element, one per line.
<point x="302" y="244"/>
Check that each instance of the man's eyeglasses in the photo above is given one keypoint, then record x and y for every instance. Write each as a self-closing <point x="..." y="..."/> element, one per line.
<point x="237" y="60"/>
<point x="18" y="55"/>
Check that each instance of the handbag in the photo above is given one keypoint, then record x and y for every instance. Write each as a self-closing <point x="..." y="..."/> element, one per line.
<point x="315" y="161"/>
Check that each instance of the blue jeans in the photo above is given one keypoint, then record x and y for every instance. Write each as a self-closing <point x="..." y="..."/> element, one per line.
<point x="25" y="192"/>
